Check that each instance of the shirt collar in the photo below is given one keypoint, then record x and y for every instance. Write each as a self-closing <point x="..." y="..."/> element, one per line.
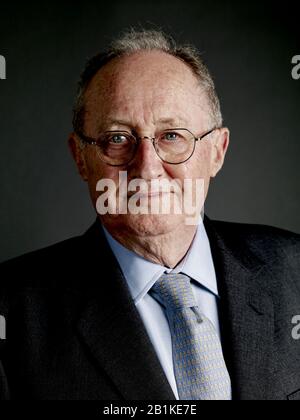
<point x="141" y="274"/>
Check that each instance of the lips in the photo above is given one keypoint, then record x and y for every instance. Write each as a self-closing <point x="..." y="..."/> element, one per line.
<point x="140" y="194"/>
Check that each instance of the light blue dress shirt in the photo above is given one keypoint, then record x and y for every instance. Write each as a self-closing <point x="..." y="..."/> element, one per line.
<point x="141" y="274"/>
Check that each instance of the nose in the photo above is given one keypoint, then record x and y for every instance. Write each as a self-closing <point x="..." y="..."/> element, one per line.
<point x="146" y="164"/>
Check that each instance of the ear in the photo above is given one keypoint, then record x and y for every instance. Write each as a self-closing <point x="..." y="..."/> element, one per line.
<point x="219" y="149"/>
<point x="78" y="155"/>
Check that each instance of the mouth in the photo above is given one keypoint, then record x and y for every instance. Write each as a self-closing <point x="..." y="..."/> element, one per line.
<point x="149" y="194"/>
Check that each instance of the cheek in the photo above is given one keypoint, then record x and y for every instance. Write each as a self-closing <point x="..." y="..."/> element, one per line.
<point x="201" y="163"/>
<point x="198" y="166"/>
<point x="97" y="170"/>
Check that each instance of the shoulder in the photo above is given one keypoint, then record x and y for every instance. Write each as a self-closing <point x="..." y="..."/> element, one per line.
<point x="271" y="254"/>
<point x="31" y="268"/>
<point x="55" y="250"/>
<point x="267" y="244"/>
<point x="258" y="233"/>
<point x="258" y="236"/>
<point x="64" y="265"/>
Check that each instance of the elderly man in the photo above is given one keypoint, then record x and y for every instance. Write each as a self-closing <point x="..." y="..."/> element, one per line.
<point x="146" y="305"/>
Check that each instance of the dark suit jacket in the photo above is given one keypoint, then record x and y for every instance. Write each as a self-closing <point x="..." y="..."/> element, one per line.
<point x="73" y="331"/>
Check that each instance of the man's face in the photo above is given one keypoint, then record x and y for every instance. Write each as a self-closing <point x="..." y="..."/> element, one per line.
<point x="146" y="93"/>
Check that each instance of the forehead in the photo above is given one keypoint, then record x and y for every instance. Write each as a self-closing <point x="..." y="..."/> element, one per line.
<point x="151" y="83"/>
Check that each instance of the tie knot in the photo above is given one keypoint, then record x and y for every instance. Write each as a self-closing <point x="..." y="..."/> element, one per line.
<point x="175" y="291"/>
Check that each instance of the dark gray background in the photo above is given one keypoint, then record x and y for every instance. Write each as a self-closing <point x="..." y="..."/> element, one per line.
<point x="248" y="48"/>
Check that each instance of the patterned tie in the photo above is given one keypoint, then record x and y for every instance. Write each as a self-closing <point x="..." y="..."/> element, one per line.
<point x="199" y="366"/>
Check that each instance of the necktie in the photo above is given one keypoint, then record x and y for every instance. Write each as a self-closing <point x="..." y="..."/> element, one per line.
<point x="199" y="366"/>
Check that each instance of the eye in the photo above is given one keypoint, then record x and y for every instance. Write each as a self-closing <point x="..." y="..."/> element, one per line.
<point x="115" y="139"/>
<point x="170" y="136"/>
<point x="118" y="139"/>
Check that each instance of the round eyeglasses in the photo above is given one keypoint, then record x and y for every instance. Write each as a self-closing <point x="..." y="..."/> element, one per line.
<point x="118" y="148"/>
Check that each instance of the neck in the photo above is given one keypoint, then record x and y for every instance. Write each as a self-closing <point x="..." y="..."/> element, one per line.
<point x="166" y="248"/>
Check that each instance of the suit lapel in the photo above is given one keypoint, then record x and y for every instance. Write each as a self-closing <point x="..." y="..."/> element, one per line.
<point x="111" y="327"/>
<point x="246" y="316"/>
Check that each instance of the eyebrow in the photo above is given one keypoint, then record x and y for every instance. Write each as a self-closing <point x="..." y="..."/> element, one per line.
<point x="173" y="122"/>
<point x="112" y="121"/>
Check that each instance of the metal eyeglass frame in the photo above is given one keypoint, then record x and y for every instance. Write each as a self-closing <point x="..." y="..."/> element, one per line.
<point x="92" y="141"/>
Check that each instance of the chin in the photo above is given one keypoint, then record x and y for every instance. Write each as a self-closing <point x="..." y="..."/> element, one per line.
<point x="143" y="224"/>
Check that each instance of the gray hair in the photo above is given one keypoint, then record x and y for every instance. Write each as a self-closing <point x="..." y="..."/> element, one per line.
<point x="134" y="41"/>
